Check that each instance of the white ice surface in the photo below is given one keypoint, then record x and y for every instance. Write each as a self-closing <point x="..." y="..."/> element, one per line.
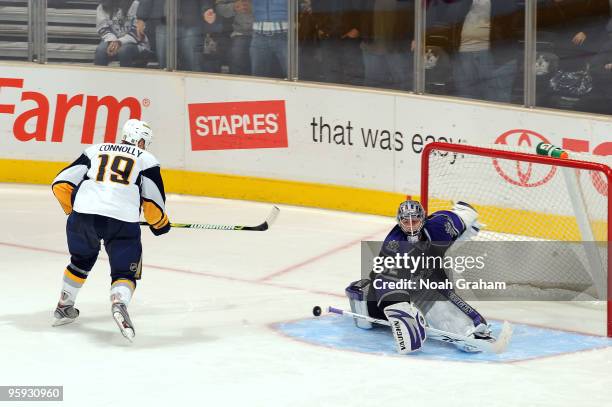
<point x="202" y="313"/>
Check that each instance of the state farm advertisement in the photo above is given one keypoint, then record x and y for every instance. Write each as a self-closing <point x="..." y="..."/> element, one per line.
<point x="238" y="125"/>
<point x="52" y="113"/>
<point x="274" y="129"/>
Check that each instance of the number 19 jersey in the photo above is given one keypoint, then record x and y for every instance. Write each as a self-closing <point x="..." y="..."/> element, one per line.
<point x="113" y="180"/>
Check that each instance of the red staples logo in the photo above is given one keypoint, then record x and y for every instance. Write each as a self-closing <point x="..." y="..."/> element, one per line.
<point x="238" y="125"/>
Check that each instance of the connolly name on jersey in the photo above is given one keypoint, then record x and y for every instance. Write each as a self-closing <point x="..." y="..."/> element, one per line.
<point x="122" y="148"/>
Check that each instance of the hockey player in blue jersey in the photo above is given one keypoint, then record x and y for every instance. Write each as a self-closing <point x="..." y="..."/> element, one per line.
<point x="409" y="309"/>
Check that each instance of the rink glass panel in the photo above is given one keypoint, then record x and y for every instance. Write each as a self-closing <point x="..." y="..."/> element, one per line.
<point x="463" y="62"/>
<point x="570" y="69"/>
<point x="14" y="30"/>
<point x="73" y="36"/>
<point x="340" y="41"/>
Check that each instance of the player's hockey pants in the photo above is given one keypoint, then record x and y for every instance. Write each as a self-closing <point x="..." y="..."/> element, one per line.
<point x="121" y="241"/>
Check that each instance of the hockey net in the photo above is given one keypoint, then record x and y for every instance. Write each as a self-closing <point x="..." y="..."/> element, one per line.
<point x="557" y="207"/>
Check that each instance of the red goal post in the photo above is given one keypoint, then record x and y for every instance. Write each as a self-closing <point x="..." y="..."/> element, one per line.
<point x="482" y="162"/>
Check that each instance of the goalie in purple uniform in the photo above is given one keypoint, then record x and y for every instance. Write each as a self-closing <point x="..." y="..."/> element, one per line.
<point x="410" y="308"/>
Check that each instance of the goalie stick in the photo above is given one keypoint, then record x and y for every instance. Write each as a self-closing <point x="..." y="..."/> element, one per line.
<point x="498" y="346"/>
<point x="259" y="228"/>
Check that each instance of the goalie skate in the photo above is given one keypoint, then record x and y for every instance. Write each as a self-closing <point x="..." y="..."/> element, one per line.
<point x="65" y="314"/>
<point x="122" y="318"/>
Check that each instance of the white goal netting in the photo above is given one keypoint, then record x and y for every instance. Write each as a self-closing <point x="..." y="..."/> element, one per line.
<point x="545" y="226"/>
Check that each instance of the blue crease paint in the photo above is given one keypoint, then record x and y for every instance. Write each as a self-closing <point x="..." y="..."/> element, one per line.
<point x="528" y="342"/>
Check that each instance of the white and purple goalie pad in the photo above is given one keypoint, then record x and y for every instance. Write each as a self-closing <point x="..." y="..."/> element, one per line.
<point x="407" y="325"/>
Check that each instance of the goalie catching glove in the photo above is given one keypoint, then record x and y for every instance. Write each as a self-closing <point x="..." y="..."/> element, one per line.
<point x="469" y="217"/>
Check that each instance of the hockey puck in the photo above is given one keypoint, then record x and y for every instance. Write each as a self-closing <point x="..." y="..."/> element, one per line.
<point x="316" y="311"/>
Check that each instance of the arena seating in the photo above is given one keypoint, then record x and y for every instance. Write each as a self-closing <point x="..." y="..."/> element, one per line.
<point x="71" y="27"/>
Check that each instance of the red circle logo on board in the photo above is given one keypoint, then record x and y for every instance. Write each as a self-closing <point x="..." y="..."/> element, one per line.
<point x="522" y="174"/>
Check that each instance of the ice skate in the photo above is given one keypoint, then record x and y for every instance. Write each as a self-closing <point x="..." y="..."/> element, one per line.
<point x="65" y="314"/>
<point x="122" y="318"/>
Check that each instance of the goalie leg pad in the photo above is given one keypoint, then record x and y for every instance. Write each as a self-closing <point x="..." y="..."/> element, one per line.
<point x="407" y="325"/>
<point x="457" y="317"/>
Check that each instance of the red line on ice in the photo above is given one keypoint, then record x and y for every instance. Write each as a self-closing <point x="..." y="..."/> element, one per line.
<point x="184" y="271"/>
<point x="318" y="257"/>
<point x="38" y="249"/>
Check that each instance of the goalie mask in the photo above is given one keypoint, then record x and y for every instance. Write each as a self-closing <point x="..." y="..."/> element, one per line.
<point x="411" y="217"/>
<point x="138" y="133"/>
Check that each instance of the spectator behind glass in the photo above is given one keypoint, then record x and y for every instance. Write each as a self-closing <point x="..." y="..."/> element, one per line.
<point x="337" y="25"/>
<point x="269" y="44"/>
<point x="197" y="23"/>
<point x="574" y="32"/>
<point x="574" y="27"/>
<point x="601" y="68"/>
<point x="309" y="56"/>
<point x="484" y="44"/>
<point x="116" y="24"/>
<point x="242" y="31"/>
<point x="151" y="20"/>
<point x="197" y="46"/>
<point x="387" y="31"/>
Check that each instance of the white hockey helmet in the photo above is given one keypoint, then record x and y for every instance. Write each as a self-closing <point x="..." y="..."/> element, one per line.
<point x="135" y="130"/>
<point x="411" y="217"/>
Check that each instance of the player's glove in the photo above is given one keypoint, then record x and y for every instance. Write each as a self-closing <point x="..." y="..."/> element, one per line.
<point x="162" y="230"/>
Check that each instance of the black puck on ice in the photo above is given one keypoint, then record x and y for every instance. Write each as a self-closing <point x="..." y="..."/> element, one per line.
<point x="316" y="311"/>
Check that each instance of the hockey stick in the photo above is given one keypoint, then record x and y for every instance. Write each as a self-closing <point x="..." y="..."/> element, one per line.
<point x="498" y="346"/>
<point x="259" y="228"/>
